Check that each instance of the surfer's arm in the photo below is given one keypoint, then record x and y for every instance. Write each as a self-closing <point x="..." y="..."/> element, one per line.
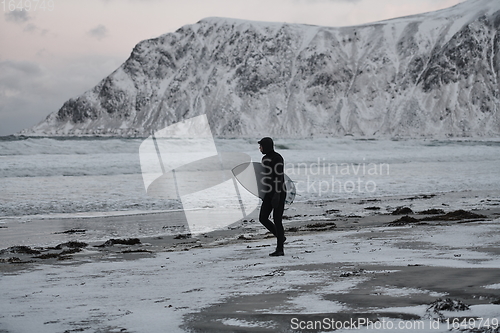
<point x="278" y="184"/>
<point x="267" y="175"/>
<point x="278" y="174"/>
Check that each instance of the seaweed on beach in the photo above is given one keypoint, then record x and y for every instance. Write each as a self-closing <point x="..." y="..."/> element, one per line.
<point x="137" y="251"/>
<point x="321" y="226"/>
<point x="21" y="249"/>
<point x="63" y="255"/>
<point x="48" y="256"/>
<point x="405" y="220"/>
<point x="183" y="236"/>
<point x="363" y="202"/>
<point x="244" y="237"/>
<point x="353" y="273"/>
<point x="128" y="241"/>
<point x="71" y="251"/>
<point x="15" y="260"/>
<point x="287" y="217"/>
<point x="434" y="309"/>
<point x="448" y="304"/>
<point x="10" y="260"/>
<point x="72" y="231"/>
<point x="402" y="211"/>
<point x="433" y="211"/>
<point x="71" y="244"/>
<point x="455" y="216"/>
<point x="419" y="197"/>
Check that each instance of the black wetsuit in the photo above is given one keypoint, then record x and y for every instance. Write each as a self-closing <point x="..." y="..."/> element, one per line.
<point x="274" y="199"/>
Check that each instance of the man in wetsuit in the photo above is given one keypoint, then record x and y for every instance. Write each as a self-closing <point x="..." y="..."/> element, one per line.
<point x="275" y="193"/>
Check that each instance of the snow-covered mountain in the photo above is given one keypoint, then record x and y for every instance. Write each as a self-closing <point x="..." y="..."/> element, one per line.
<point x="432" y="75"/>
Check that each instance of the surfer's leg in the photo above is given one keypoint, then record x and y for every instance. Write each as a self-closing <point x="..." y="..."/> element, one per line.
<point x="265" y="211"/>
<point x="278" y="223"/>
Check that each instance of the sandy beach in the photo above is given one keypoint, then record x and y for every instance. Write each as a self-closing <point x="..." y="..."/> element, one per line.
<point x="139" y="140"/>
<point x="398" y="264"/>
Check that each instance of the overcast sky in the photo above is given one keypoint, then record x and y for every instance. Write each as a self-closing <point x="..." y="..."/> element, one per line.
<point x="62" y="48"/>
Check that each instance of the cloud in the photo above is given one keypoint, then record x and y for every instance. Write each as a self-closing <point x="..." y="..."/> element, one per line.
<point x="17" y="16"/>
<point x="30" y="91"/>
<point x="10" y="69"/>
<point x="98" y="32"/>
<point x="21" y="92"/>
<point x="43" y="53"/>
<point x="31" y="28"/>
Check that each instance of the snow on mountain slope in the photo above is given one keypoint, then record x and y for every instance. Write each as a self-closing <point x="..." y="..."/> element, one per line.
<point x="428" y="75"/>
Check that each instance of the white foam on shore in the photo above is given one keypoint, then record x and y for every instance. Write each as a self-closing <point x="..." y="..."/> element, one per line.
<point x="245" y="323"/>
<point x="310" y="304"/>
<point x="402" y="292"/>
<point x="493" y="286"/>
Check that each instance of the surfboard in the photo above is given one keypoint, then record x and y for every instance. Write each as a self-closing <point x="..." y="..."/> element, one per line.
<point x="196" y="176"/>
<point x="250" y="175"/>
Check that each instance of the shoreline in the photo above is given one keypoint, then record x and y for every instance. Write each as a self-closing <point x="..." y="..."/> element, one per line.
<point x="336" y="265"/>
<point x="101" y="226"/>
<point x="316" y="216"/>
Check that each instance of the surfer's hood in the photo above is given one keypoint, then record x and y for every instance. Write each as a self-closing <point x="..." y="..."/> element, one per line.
<point x="267" y="145"/>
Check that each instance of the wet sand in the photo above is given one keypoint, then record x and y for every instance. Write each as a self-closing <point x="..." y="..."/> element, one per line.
<point x="347" y="260"/>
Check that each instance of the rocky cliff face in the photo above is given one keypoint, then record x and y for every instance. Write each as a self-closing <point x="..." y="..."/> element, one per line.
<point x="432" y="75"/>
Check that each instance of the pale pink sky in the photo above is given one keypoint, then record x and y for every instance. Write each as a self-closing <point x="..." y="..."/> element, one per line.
<point x="48" y="56"/>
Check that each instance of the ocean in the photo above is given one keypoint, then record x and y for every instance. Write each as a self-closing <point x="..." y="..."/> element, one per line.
<point x="62" y="179"/>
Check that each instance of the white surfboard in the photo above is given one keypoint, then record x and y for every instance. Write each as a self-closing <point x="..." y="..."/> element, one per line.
<point x="250" y="175"/>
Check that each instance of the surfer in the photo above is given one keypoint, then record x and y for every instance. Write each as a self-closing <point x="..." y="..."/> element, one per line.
<point x="273" y="182"/>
